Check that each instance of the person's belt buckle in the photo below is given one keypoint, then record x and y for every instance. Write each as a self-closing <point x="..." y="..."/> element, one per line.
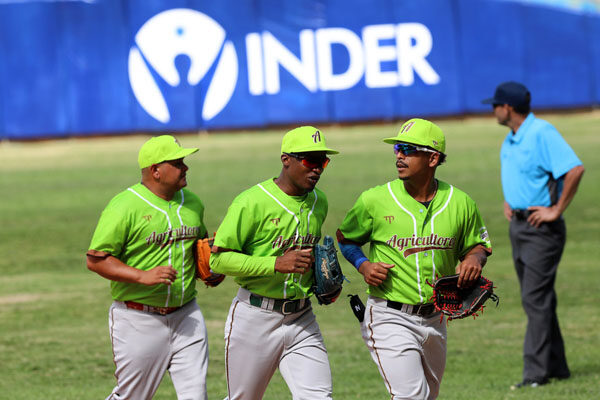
<point x="162" y="310"/>
<point x="292" y="308"/>
<point x="521" y="214"/>
<point x="420" y="309"/>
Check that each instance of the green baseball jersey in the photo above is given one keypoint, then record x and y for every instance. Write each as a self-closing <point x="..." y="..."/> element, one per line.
<point x="262" y="223"/>
<point x="144" y="231"/>
<point x="421" y="242"/>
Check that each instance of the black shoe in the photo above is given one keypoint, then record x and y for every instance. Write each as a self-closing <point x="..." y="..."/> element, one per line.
<point x="529" y="383"/>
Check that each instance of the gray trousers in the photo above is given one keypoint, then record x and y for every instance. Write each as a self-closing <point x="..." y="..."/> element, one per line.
<point x="147" y="345"/>
<point x="258" y="341"/>
<point x="409" y="350"/>
<point x="536" y="254"/>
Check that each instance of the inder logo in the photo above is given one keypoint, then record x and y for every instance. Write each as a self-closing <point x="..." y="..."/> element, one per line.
<point x="178" y="32"/>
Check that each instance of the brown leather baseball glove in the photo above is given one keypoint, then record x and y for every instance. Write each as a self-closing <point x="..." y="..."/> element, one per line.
<point x="202" y="249"/>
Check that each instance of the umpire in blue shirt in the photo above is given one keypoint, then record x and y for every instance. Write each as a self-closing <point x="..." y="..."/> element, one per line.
<point x="540" y="175"/>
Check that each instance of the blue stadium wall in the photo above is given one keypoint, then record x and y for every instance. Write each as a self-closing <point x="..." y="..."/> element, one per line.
<point x="87" y="67"/>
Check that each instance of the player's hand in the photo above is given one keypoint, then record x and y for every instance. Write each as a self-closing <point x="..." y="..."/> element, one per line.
<point x="160" y="274"/>
<point x="294" y="262"/>
<point x="542" y="214"/>
<point x="508" y="212"/>
<point x="468" y="271"/>
<point x="374" y="273"/>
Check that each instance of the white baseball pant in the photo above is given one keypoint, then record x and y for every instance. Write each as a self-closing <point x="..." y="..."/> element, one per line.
<point x="409" y="350"/>
<point x="258" y="341"/>
<point x="145" y="345"/>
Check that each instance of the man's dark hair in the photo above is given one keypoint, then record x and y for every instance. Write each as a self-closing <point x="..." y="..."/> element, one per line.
<point x="522" y="109"/>
<point x="442" y="159"/>
<point x="525" y="107"/>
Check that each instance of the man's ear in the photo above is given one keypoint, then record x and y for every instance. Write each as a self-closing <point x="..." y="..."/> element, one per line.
<point x="510" y="109"/>
<point x="154" y="171"/>
<point x="285" y="160"/>
<point x="434" y="159"/>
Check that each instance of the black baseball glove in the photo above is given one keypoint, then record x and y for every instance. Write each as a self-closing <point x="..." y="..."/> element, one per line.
<point x="461" y="302"/>
<point x="328" y="273"/>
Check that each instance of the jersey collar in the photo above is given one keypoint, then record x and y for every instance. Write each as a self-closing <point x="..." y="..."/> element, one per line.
<point x="403" y="196"/>
<point x="290" y="201"/>
<point x="156" y="200"/>
<point x="522" y="131"/>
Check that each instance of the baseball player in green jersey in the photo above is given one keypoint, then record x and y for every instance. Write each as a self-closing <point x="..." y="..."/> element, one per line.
<point x="266" y="241"/>
<point x="143" y="245"/>
<point x="418" y="227"/>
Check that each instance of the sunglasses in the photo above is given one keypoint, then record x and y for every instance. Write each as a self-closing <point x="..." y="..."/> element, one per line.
<point x="310" y="162"/>
<point x="408" y="149"/>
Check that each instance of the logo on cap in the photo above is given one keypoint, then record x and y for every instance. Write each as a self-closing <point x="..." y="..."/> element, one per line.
<point x="173" y="33"/>
<point x="316" y="137"/>
<point x="407" y="127"/>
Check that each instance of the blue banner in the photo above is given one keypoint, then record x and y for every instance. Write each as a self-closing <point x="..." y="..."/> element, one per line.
<point x="107" y="66"/>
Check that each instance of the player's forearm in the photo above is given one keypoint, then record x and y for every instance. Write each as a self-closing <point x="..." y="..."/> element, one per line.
<point x="353" y="253"/>
<point x="238" y="264"/>
<point x="114" y="269"/>
<point x="479" y="254"/>
<point x="570" y="185"/>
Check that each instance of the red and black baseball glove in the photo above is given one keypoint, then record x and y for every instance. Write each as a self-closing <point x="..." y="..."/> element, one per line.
<point x="456" y="303"/>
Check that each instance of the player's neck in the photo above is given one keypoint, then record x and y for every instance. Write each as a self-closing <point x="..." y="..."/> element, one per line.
<point x="422" y="191"/>
<point x="515" y="122"/>
<point x="288" y="187"/>
<point x="160" y="191"/>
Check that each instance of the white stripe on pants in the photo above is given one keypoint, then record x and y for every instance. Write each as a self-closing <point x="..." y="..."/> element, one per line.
<point x="409" y="350"/>
<point x="145" y="345"/>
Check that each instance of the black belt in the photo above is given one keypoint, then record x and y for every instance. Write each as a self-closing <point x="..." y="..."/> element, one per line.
<point x="280" y="305"/>
<point x="521" y="214"/>
<point x="415" y="309"/>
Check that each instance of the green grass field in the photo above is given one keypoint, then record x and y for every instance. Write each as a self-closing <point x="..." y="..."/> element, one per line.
<point x="54" y="341"/>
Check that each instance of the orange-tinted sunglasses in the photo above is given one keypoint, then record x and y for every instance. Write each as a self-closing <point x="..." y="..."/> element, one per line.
<point x="311" y="162"/>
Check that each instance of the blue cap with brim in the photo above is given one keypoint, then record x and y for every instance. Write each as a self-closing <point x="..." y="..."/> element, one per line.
<point x="512" y="93"/>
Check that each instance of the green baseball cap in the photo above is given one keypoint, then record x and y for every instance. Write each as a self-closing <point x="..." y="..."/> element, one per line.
<point x="304" y="139"/>
<point x="161" y="148"/>
<point x="422" y="133"/>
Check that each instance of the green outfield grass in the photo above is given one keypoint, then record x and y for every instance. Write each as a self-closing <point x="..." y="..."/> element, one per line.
<point x="54" y="341"/>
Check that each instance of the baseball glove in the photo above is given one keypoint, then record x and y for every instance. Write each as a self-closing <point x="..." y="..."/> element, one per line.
<point x="328" y="276"/>
<point x="457" y="302"/>
<point x="202" y="249"/>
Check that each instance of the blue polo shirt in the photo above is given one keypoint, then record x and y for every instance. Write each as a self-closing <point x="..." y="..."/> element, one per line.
<point x="534" y="161"/>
